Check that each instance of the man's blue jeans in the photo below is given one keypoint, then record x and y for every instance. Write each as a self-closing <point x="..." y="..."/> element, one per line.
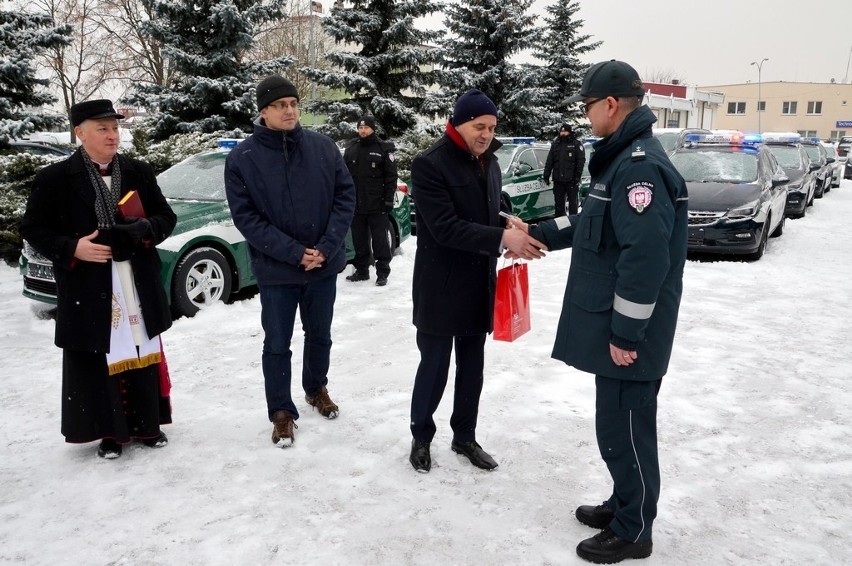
<point x="315" y="302"/>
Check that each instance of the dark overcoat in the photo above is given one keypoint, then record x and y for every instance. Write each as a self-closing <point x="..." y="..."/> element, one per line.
<point x="61" y="210"/>
<point x="628" y="254"/>
<point x="459" y="232"/>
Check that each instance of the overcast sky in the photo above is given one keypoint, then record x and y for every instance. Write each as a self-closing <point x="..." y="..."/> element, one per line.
<point x="713" y="43"/>
<point x="710" y="43"/>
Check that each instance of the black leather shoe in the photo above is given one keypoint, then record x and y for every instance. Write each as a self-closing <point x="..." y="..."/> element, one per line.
<point x="381" y="281"/>
<point x="474" y="452"/>
<point x="607" y="548"/>
<point x="595" y="516"/>
<point x="420" y="457"/>
<point x="109" y="449"/>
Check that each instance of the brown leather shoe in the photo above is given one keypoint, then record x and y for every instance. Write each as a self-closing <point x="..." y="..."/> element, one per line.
<point x="323" y="403"/>
<point x="282" y="429"/>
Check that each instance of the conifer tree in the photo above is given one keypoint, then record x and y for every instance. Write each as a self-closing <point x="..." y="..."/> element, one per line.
<point x="23" y="37"/>
<point x="484" y="35"/>
<point x="390" y="70"/>
<point x="206" y="42"/>
<point x="561" y="45"/>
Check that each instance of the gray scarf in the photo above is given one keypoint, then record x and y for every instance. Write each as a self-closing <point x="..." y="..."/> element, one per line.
<point x="106" y="197"/>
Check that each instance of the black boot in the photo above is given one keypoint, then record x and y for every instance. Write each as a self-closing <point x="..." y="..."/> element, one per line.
<point x="109" y="449"/>
<point x="359" y="275"/>
<point x="157" y="441"/>
<point x="474" y="452"/>
<point x="420" y="457"/>
<point x="607" y="548"/>
<point x="595" y="516"/>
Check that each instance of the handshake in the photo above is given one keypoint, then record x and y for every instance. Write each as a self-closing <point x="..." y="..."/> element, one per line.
<point x="519" y="244"/>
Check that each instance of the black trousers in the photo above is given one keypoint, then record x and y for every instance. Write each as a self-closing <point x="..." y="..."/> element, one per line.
<point x="626" y="427"/>
<point x="367" y="227"/>
<point x="431" y="380"/>
<point x="560" y="191"/>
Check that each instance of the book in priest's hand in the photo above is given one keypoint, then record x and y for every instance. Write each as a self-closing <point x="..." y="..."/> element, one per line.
<point x="130" y="206"/>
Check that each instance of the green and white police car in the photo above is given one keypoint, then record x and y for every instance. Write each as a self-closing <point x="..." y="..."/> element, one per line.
<point x="206" y="259"/>
<point x="521" y="161"/>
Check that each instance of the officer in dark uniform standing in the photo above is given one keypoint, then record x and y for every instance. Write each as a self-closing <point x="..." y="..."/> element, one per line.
<point x="621" y="302"/>
<point x="565" y="162"/>
<point x="373" y="167"/>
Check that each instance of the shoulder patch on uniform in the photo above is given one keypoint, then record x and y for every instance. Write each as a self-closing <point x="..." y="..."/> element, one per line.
<point x="639" y="195"/>
<point x="638" y="151"/>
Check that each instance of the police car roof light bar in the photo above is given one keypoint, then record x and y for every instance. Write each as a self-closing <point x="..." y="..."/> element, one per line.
<point x="782" y="137"/>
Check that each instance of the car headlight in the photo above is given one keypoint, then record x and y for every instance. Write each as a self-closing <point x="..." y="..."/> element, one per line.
<point x="747" y="210"/>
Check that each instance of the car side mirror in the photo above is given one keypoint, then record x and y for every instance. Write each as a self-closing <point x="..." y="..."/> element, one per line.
<point x="814" y="166"/>
<point x="829" y="160"/>
<point x="779" y="180"/>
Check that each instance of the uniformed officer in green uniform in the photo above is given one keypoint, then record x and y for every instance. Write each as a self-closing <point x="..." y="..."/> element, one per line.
<point x="621" y="301"/>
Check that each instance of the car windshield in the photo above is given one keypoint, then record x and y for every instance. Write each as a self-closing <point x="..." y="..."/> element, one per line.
<point x="201" y="178"/>
<point x="668" y="140"/>
<point x="813" y="153"/>
<point x="504" y="157"/>
<point x="716" y="166"/>
<point x="787" y="156"/>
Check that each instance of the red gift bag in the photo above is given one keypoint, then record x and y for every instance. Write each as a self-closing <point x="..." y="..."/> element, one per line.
<point x="512" y="303"/>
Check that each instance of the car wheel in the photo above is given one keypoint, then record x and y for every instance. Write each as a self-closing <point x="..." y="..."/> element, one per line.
<point x="390" y="234"/>
<point x="761" y="249"/>
<point x="818" y="191"/>
<point x="780" y="228"/>
<point x="202" y="278"/>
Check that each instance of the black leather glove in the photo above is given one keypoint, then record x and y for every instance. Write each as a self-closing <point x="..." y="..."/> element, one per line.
<point x="135" y="228"/>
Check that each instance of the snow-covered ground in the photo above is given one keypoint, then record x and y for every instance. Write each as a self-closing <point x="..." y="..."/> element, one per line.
<point x="754" y="426"/>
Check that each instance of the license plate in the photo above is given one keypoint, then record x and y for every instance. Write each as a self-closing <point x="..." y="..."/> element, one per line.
<point x="40" y="271"/>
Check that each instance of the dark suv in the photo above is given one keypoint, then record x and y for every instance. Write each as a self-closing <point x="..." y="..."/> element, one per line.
<point x="792" y="157"/>
<point x="818" y="155"/>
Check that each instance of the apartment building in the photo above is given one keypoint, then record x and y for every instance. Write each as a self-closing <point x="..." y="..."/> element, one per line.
<point x="813" y="109"/>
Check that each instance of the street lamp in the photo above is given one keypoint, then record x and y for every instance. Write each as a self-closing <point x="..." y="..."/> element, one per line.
<point x="759" y="68"/>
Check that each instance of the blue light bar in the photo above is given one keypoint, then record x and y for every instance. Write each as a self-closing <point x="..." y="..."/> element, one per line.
<point x="811" y="140"/>
<point x="518" y="140"/>
<point x="729" y="138"/>
<point x="227" y="143"/>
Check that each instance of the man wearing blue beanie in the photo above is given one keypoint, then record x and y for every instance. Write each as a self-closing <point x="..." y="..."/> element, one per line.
<point x="460" y="235"/>
<point x="471" y="104"/>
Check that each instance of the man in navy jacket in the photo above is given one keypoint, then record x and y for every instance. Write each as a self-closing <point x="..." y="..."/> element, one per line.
<point x="292" y="198"/>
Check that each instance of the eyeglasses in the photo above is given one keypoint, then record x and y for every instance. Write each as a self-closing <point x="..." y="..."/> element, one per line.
<point x="586" y="105"/>
<point x="281" y="106"/>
